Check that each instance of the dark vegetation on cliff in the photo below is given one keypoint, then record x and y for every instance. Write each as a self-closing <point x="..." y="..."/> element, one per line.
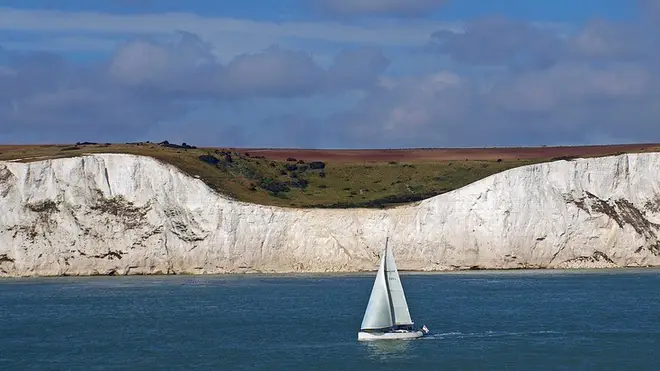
<point x="325" y="178"/>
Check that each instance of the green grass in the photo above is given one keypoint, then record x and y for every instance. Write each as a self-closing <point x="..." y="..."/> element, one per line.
<point x="383" y="184"/>
<point x="293" y="184"/>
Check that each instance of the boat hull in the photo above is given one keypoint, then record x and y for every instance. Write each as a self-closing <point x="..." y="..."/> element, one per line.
<point x="395" y="335"/>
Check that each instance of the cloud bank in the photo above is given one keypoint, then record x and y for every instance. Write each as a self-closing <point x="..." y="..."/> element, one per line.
<point x="492" y="81"/>
<point x="144" y="83"/>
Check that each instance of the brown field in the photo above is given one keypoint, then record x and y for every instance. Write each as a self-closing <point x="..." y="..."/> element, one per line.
<point x="447" y="154"/>
<point x="347" y="178"/>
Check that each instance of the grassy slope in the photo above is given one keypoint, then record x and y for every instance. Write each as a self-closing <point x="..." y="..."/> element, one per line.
<point x="269" y="182"/>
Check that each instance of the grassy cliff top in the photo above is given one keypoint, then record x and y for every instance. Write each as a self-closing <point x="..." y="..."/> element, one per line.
<point x="329" y="178"/>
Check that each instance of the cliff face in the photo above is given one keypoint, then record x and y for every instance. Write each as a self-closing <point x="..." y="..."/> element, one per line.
<point x="124" y="214"/>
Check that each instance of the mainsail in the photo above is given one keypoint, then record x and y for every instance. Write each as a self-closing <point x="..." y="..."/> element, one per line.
<point x="387" y="304"/>
<point x="397" y="297"/>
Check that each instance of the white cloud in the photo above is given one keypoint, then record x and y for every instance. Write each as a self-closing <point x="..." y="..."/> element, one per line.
<point x="387" y="33"/>
<point x="187" y="67"/>
<point x="7" y="72"/>
<point x="571" y="101"/>
<point x="380" y="7"/>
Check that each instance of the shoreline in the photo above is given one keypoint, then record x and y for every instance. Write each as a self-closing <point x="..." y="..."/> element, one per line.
<point x="463" y="272"/>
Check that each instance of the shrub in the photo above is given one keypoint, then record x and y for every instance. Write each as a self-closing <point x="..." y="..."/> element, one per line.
<point x="274" y="186"/>
<point x="165" y="143"/>
<point x="300" y="183"/>
<point x="209" y="159"/>
<point x="315" y="165"/>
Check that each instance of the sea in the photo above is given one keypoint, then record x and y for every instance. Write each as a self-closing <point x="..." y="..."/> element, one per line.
<point x="479" y="320"/>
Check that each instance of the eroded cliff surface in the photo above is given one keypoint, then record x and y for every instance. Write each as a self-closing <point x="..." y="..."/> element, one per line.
<point x="124" y="214"/>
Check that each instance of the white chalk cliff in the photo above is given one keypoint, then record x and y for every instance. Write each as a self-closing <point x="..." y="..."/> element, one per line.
<point x="125" y="214"/>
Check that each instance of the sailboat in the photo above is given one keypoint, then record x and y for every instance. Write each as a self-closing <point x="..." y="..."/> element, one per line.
<point x="387" y="316"/>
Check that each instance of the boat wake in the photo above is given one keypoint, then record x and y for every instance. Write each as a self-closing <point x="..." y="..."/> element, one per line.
<point x="487" y="334"/>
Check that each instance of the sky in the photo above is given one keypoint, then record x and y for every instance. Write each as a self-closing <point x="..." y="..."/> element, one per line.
<point x="330" y="73"/>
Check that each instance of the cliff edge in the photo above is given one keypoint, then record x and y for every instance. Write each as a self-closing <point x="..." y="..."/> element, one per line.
<point x="126" y="214"/>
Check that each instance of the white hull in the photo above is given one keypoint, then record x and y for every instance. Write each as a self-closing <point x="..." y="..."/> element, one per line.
<point x="399" y="335"/>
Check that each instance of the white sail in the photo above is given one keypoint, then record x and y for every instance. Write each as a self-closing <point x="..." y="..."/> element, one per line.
<point x="397" y="297"/>
<point x="387" y="305"/>
<point x="378" y="314"/>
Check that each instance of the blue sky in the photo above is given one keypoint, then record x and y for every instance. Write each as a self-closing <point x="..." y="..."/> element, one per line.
<point x="321" y="73"/>
<point x="558" y="10"/>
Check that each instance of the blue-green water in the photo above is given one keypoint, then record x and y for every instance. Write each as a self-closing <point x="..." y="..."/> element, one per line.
<point x="607" y="320"/>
